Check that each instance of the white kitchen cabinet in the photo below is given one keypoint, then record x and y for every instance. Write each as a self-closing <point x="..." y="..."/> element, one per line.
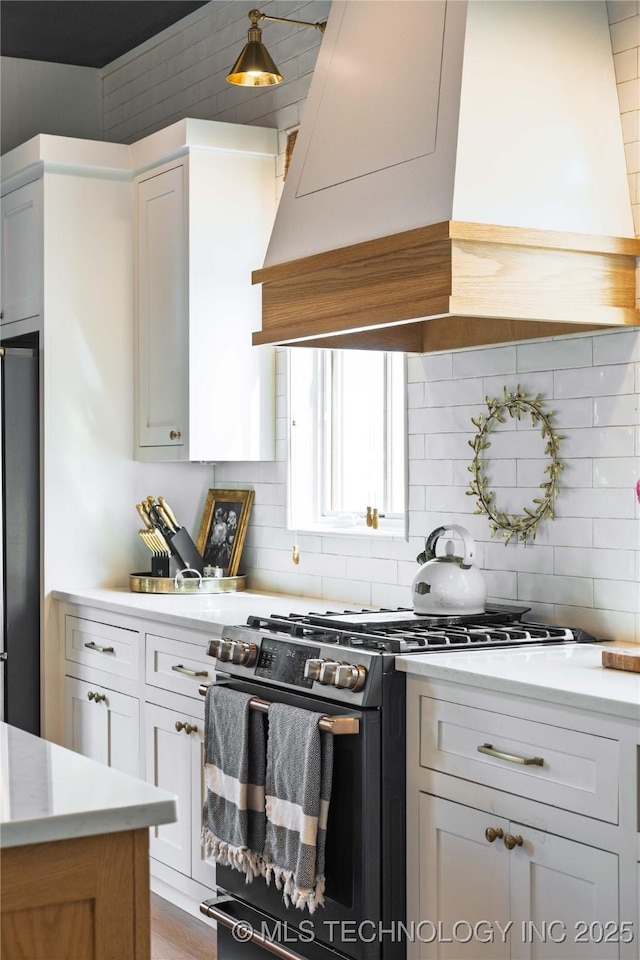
<point x="103" y="724"/>
<point x="203" y="219"/>
<point x="174" y="745"/>
<point x="22" y="240"/>
<point x="101" y="705"/>
<point x="146" y="675"/>
<point x="486" y="902"/>
<point x="562" y="782"/>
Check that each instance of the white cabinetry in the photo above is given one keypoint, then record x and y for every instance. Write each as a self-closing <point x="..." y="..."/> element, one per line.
<point x="522" y="828"/>
<point x="174" y="746"/>
<point x="102" y="708"/>
<point x="203" y="219"/>
<point x="103" y="724"/>
<point x="536" y="899"/>
<point x="67" y="268"/>
<point x="132" y="701"/>
<point x="22" y="254"/>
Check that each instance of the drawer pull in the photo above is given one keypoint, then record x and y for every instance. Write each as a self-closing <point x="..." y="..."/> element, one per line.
<point x="96" y="697"/>
<point x="189" y="673"/>
<point x="494" y="833"/>
<point x="94" y="646"/>
<point x="510" y="841"/>
<point x="512" y="758"/>
<point x="187" y="727"/>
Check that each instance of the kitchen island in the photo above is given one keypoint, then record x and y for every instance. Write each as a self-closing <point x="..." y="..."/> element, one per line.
<point x="74" y="849"/>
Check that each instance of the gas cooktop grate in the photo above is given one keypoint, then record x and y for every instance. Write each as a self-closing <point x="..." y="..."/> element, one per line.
<point x="401" y="631"/>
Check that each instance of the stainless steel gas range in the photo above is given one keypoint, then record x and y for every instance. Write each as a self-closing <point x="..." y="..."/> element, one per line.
<point x="343" y="666"/>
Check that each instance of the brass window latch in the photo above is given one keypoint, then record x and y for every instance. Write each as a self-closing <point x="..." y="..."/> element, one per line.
<point x="372" y="517"/>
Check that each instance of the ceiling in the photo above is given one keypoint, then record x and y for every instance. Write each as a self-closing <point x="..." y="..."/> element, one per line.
<point x="87" y="33"/>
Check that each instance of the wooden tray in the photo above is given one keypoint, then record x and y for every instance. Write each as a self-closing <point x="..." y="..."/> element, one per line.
<point x="621" y="660"/>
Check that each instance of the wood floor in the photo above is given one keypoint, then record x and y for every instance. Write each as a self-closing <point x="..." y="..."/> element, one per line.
<point x="177" y="936"/>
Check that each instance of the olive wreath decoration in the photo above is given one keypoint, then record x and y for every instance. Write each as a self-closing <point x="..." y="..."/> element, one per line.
<point x="520" y="526"/>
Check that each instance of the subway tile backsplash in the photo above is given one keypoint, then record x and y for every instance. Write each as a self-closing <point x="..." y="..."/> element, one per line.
<point x="583" y="566"/>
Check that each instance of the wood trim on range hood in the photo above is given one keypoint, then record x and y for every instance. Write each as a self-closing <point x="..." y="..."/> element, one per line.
<point x="450" y="285"/>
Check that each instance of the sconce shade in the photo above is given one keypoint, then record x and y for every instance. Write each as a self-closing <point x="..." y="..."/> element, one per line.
<point x="254" y="67"/>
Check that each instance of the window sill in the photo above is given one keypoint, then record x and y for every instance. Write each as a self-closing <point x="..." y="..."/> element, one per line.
<point x="385" y="531"/>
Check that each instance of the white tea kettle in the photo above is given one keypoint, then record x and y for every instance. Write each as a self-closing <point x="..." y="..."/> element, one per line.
<point x="448" y="585"/>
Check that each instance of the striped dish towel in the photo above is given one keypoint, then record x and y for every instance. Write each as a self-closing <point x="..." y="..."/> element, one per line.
<point x="298" y="789"/>
<point x="233" y="819"/>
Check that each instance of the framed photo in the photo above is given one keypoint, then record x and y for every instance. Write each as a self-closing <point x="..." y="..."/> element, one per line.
<point x="224" y="527"/>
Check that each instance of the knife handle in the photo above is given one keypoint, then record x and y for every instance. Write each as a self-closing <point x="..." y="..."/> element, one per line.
<point x="144" y="516"/>
<point x="169" y="512"/>
<point x="164" y="516"/>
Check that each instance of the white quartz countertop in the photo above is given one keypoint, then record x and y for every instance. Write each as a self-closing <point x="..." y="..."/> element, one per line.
<point x="570" y="673"/>
<point x="50" y="793"/>
<point x="202" y="612"/>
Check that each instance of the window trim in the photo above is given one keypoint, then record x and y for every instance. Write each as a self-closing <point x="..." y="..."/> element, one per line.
<point x="330" y="524"/>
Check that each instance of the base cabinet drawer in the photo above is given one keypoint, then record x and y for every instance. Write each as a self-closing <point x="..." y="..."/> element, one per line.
<point x="565" y="768"/>
<point x="177" y="666"/>
<point x="114" y="650"/>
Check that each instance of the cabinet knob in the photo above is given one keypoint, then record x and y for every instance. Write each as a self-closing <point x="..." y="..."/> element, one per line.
<point x="96" y="697"/>
<point x="494" y="833"/>
<point x="175" y="435"/>
<point x="510" y="841"/>
<point x="187" y="727"/>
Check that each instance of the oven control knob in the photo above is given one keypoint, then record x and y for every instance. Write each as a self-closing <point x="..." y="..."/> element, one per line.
<point x="233" y="651"/>
<point x="220" y="649"/>
<point x="350" y="676"/>
<point x="312" y="669"/>
<point x="244" y="653"/>
<point x="328" y="671"/>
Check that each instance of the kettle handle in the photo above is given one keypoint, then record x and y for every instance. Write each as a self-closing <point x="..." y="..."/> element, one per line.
<point x="467" y="540"/>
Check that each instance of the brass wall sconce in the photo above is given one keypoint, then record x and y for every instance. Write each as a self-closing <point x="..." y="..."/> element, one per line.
<point x="254" y="67"/>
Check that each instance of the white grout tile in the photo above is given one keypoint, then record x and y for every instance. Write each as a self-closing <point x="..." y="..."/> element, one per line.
<point x="598" y="381"/>
<point x="625" y="34"/>
<point x="626" y="65"/>
<point x="621" y="534"/>
<point x="596" y="563"/>
<point x="629" y="95"/>
<point x="620" y="347"/>
<point x="630" y="126"/>
<point x="597" y="442"/>
<point x="554" y="354"/>
<point x="617" y="595"/>
<point x="621" y="9"/>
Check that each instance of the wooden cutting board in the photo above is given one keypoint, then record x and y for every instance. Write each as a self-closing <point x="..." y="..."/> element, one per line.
<point x="621" y="660"/>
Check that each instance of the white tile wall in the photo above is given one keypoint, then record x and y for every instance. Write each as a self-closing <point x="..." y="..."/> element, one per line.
<point x="584" y="566"/>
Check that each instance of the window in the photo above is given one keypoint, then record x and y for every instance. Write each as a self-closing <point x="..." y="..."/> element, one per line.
<point x="347" y="440"/>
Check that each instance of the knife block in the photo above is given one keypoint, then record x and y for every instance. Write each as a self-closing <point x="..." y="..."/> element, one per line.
<point x="184" y="550"/>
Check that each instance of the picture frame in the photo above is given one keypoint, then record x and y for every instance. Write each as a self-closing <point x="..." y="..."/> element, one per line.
<point x="223" y="528"/>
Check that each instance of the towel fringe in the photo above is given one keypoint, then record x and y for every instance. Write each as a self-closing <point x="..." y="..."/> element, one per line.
<point x="240" y="858"/>
<point x="285" y="880"/>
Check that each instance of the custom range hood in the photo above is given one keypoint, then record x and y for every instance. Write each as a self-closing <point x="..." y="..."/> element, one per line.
<point x="458" y="179"/>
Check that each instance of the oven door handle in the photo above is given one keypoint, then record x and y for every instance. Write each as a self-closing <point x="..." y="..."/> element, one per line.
<point x="242" y="931"/>
<point x="337" y="725"/>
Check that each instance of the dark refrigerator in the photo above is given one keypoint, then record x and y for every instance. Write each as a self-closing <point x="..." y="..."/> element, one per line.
<point x="20" y="522"/>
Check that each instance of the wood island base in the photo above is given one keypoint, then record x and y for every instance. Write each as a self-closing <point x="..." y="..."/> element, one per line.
<point x="85" y="898"/>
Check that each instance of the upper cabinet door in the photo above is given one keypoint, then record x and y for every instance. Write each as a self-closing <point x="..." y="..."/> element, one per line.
<point x="162" y="312"/>
<point x="22" y="254"/>
<point x="203" y="222"/>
